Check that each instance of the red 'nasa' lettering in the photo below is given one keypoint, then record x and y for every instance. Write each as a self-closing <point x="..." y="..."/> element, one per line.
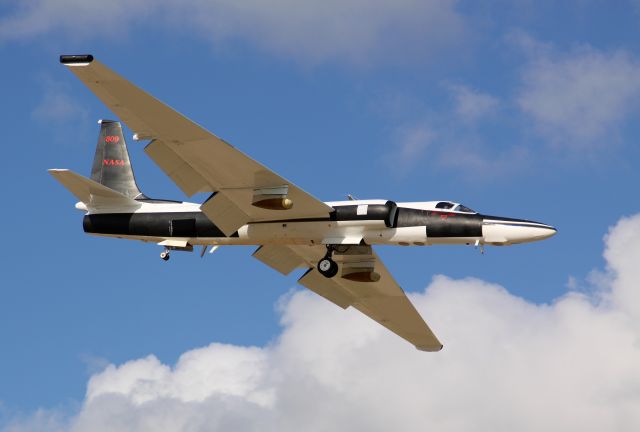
<point x="113" y="162"/>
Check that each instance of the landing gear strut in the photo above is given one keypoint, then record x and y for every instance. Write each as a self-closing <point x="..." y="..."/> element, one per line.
<point x="327" y="266"/>
<point x="165" y="255"/>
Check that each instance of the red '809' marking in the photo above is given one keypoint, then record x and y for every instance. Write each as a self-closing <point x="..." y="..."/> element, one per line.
<point x="112" y="138"/>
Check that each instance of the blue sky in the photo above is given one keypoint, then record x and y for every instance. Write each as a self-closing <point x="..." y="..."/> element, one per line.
<point x="524" y="109"/>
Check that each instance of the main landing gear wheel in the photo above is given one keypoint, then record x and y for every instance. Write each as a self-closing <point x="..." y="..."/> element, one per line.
<point x="165" y="255"/>
<point x="327" y="267"/>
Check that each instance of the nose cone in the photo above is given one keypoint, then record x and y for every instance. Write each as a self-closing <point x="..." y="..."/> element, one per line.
<point x="500" y="230"/>
<point x="544" y="232"/>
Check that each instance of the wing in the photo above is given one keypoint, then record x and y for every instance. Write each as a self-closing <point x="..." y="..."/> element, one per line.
<point x="383" y="300"/>
<point x="194" y="158"/>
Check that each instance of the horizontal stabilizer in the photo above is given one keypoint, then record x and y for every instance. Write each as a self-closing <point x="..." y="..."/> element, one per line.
<point x="94" y="195"/>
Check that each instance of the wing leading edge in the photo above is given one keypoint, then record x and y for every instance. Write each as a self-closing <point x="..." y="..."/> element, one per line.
<point x="383" y="301"/>
<point x="194" y="158"/>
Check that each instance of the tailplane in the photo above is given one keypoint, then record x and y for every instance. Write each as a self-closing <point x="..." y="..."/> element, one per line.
<point x="94" y="196"/>
<point x="111" y="164"/>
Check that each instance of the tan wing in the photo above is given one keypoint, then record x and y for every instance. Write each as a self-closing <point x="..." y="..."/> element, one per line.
<point x="194" y="158"/>
<point x="383" y="301"/>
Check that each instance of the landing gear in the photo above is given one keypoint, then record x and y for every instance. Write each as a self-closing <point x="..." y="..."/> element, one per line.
<point x="326" y="266"/>
<point x="170" y="245"/>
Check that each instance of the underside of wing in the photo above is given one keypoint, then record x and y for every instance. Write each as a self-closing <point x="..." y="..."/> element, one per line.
<point x="382" y="300"/>
<point x="195" y="159"/>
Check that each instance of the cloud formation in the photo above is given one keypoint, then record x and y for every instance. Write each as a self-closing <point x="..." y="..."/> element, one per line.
<point x="57" y="104"/>
<point x="579" y="99"/>
<point x="78" y="18"/>
<point x="471" y="104"/>
<point x="412" y="142"/>
<point x="454" y="136"/>
<point x="508" y="364"/>
<point x="578" y="102"/>
<point x="351" y="31"/>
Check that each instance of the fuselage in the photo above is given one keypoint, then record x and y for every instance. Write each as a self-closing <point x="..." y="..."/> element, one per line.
<point x="351" y="222"/>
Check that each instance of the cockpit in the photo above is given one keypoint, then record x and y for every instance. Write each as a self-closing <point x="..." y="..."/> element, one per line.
<point x="447" y="205"/>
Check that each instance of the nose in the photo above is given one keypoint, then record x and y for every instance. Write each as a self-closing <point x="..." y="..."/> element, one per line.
<point x="499" y="230"/>
<point x="545" y="232"/>
<point x="537" y="233"/>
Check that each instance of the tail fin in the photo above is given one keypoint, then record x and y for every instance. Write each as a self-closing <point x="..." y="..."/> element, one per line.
<point x="111" y="164"/>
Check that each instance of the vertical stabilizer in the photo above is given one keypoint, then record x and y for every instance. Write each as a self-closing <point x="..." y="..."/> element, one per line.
<point x="111" y="164"/>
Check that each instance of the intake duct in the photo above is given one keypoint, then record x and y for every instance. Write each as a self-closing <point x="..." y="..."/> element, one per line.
<point x="387" y="212"/>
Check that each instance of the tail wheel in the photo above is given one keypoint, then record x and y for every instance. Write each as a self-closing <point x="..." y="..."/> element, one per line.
<point x="165" y="255"/>
<point x="327" y="267"/>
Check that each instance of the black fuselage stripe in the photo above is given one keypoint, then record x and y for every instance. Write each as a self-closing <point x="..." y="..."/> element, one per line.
<point x="165" y="224"/>
<point x="196" y="224"/>
<point x="438" y="224"/>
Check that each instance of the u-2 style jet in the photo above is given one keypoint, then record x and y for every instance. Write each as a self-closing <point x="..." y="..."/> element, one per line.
<point x="251" y="205"/>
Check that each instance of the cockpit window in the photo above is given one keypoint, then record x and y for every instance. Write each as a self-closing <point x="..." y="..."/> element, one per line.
<point x="463" y="209"/>
<point x="444" y="205"/>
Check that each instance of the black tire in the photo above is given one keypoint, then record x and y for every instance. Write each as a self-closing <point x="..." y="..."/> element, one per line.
<point x="165" y="256"/>
<point x="327" y="267"/>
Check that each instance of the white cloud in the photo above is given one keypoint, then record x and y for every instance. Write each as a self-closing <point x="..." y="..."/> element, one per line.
<point x="41" y="420"/>
<point x="353" y="31"/>
<point x="507" y="364"/>
<point x="471" y="104"/>
<point x="412" y="142"/>
<point x="78" y="18"/>
<point x="476" y="161"/>
<point x="56" y="104"/>
<point x="453" y="136"/>
<point x="223" y="370"/>
<point x="579" y="99"/>
<point x="623" y="255"/>
<point x="455" y="147"/>
<point x="454" y="142"/>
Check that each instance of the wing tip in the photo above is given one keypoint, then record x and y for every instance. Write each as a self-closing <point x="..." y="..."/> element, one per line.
<point x="54" y="171"/>
<point x="429" y="348"/>
<point x="76" y="59"/>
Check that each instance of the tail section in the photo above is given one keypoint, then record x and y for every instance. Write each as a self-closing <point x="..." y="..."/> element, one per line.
<point x="94" y="196"/>
<point x="111" y="164"/>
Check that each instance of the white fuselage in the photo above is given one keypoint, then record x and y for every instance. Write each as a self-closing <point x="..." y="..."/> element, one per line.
<point x="425" y="225"/>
